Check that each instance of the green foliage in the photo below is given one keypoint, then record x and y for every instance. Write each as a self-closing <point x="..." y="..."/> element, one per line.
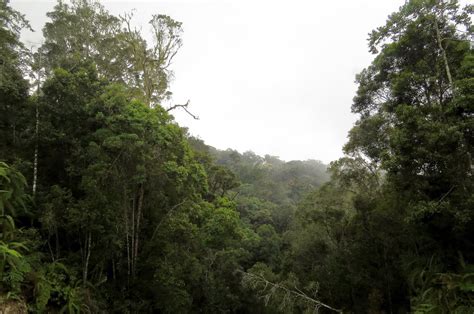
<point x="84" y="31"/>
<point x="14" y="113"/>
<point x="13" y="264"/>
<point x="12" y="195"/>
<point x="443" y="292"/>
<point x="132" y="214"/>
<point x="404" y="190"/>
<point x="284" y="296"/>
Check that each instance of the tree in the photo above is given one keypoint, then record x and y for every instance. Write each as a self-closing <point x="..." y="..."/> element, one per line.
<point x="14" y="116"/>
<point x="414" y="126"/>
<point x="85" y="31"/>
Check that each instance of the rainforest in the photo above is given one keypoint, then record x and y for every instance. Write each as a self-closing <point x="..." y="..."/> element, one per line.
<point x="107" y="204"/>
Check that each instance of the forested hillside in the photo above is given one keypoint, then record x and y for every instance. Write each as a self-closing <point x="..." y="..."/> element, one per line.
<point x="108" y="205"/>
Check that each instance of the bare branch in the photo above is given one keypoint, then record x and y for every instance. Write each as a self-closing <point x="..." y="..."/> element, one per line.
<point x="185" y="108"/>
<point x="255" y="281"/>
<point x="168" y="213"/>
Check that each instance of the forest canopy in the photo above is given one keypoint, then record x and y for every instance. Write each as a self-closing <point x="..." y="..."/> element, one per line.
<point x="107" y="204"/>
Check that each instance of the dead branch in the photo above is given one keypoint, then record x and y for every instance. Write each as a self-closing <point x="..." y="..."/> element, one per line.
<point x="168" y="213"/>
<point x="269" y="288"/>
<point x="185" y="108"/>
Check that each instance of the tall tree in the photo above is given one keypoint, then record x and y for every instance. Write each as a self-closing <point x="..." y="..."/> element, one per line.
<point x="14" y="115"/>
<point x="415" y="124"/>
<point x="84" y="30"/>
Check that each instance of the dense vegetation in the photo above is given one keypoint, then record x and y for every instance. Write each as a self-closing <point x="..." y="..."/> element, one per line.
<point x="107" y="204"/>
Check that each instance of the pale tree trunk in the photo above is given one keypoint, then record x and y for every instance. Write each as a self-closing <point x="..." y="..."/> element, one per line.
<point x="125" y="215"/>
<point x="443" y="53"/>
<point x="35" y="161"/>
<point x="137" y="227"/>
<point x="133" y="239"/>
<point x="133" y="212"/>
<point x="147" y="85"/>
<point x="448" y="73"/>
<point x="87" y="257"/>
<point x="57" y="242"/>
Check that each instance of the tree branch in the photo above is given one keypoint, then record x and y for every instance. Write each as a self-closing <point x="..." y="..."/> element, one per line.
<point x="270" y="288"/>
<point x="166" y="216"/>
<point x="185" y="108"/>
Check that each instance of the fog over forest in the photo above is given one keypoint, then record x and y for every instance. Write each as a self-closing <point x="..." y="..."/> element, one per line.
<point x="260" y="72"/>
<point x="236" y="157"/>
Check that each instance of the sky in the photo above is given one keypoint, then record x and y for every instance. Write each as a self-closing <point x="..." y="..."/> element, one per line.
<point x="271" y="76"/>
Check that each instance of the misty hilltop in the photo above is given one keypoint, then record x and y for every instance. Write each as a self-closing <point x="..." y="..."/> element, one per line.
<point x="109" y="204"/>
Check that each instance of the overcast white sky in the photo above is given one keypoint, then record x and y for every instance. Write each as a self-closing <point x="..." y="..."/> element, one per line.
<point x="275" y="77"/>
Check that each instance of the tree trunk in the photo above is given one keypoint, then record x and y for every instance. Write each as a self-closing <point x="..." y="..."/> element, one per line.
<point x="113" y="269"/>
<point x="57" y="242"/>
<point x="443" y="53"/>
<point x="125" y="215"/>
<point x="35" y="161"/>
<point x="137" y="229"/>
<point x="133" y="239"/>
<point x="88" y="255"/>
